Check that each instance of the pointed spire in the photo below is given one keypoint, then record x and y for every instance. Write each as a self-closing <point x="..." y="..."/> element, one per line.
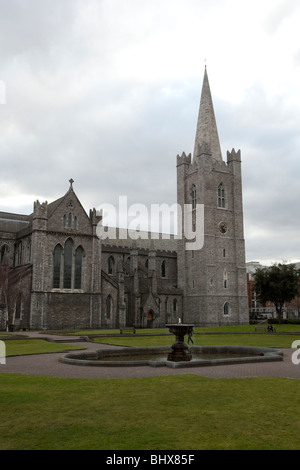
<point x="207" y="133"/>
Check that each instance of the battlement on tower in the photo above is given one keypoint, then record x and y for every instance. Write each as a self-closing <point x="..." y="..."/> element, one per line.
<point x="233" y="156"/>
<point x="40" y="210"/>
<point x="184" y="159"/>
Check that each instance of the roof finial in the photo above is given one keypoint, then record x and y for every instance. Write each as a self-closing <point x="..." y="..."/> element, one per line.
<point x="71" y="181"/>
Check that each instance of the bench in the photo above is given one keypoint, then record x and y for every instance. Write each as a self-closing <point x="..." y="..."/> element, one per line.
<point x="265" y="328"/>
<point x="260" y="327"/>
<point x="127" y="328"/>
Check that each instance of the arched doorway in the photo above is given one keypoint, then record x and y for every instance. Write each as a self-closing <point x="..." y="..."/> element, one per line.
<point x="150" y="318"/>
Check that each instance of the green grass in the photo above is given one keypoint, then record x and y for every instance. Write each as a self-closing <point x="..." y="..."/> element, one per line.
<point x="19" y="347"/>
<point x="183" y="412"/>
<point x="176" y="412"/>
<point x="260" y="339"/>
<point x="228" y="337"/>
<point x="282" y="328"/>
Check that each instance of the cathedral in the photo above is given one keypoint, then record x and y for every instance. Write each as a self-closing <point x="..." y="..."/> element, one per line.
<point x="57" y="273"/>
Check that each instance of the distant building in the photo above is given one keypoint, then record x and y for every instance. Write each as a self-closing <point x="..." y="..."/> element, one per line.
<point x="56" y="273"/>
<point x="256" y="309"/>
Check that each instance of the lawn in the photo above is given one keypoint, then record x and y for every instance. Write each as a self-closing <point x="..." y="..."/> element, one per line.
<point x="259" y="339"/>
<point x="282" y="328"/>
<point x="19" y="347"/>
<point x="202" y="338"/>
<point x="183" y="412"/>
<point x="146" y="413"/>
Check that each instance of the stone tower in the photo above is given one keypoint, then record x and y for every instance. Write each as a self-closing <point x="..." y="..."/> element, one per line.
<point x="213" y="275"/>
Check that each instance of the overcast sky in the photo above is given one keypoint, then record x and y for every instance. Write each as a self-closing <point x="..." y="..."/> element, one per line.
<point x="107" y="92"/>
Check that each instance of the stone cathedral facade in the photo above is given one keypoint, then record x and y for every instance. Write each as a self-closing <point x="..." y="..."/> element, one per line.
<point x="56" y="273"/>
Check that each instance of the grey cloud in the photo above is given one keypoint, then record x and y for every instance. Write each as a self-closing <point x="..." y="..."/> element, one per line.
<point x="71" y="112"/>
<point x="280" y="13"/>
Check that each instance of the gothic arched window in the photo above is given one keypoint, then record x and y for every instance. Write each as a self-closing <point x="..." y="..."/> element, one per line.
<point x="4" y="251"/>
<point x="109" y="307"/>
<point x="226" y="308"/>
<point x="221" y="196"/>
<point x="78" y="268"/>
<point x="110" y="265"/>
<point x="70" y="220"/>
<point x="67" y="266"/>
<point x="225" y="279"/>
<point x="57" y="254"/>
<point x="163" y="269"/>
<point x="68" y="261"/>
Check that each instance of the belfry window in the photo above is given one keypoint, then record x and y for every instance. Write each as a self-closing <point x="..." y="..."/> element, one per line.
<point x="194" y="197"/>
<point x="225" y="279"/>
<point x="221" y="196"/>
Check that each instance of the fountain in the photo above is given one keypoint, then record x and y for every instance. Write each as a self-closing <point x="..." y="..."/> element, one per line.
<point x="180" y="354"/>
<point x="180" y="350"/>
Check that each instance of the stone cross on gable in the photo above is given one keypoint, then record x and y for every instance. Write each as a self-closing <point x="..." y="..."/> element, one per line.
<point x="71" y="181"/>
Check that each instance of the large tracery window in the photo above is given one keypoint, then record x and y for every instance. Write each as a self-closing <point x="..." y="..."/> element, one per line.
<point x="67" y="266"/>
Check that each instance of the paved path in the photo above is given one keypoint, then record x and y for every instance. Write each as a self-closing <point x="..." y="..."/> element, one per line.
<point x="48" y="365"/>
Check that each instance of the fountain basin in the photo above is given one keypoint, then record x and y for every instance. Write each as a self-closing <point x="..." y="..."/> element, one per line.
<point x="158" y="356"/>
